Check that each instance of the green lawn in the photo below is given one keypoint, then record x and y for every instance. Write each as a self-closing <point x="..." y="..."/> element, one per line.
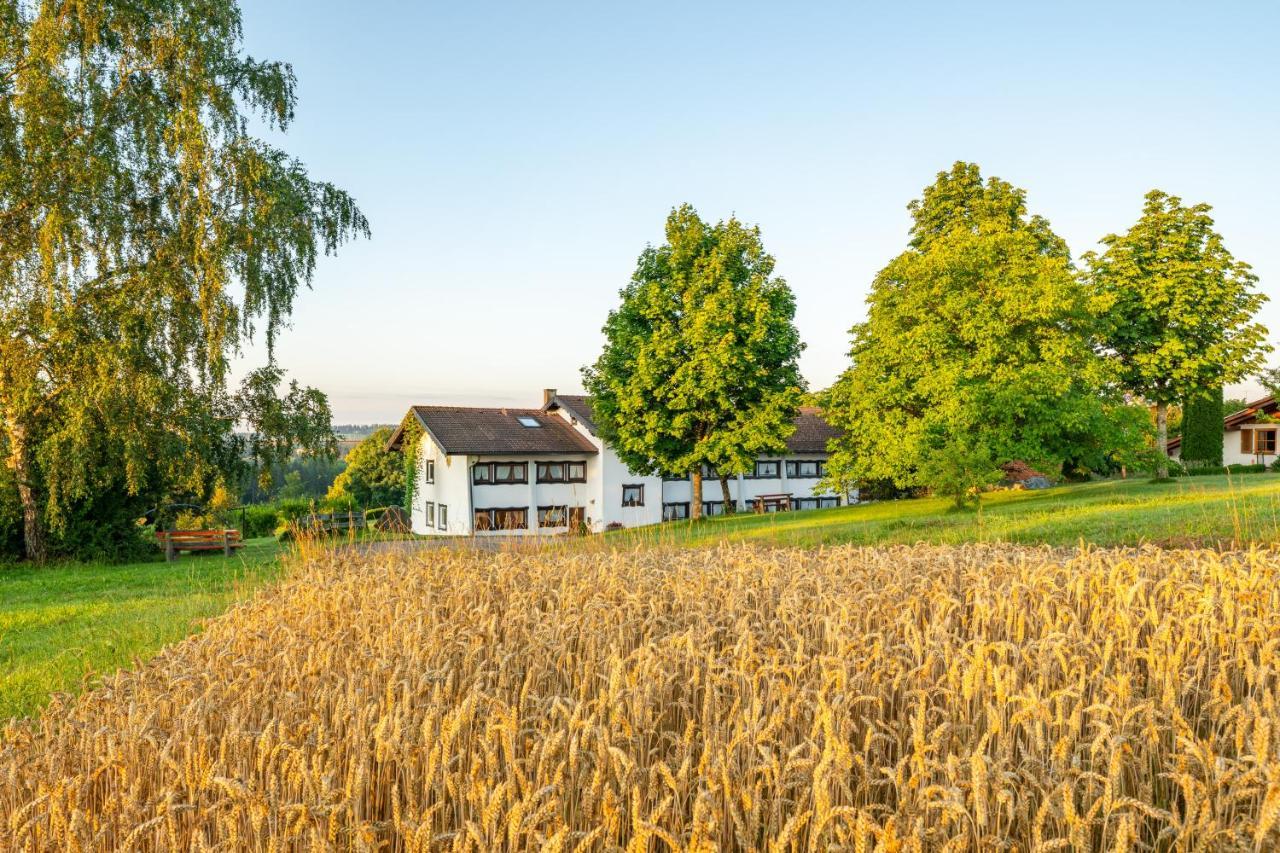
<point x="1192" y="511"/>
<point x="62" y="623"/>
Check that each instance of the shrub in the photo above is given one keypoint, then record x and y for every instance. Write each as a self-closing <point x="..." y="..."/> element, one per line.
<point x="10" y="517"/>
<point x="882" y="490"/>
<point x="287" y="511"/>
<point x="960" y="471"/>
<point x="105" y="530"/>
<point x="260" y="520"/>
<point x="1149" y="460"/>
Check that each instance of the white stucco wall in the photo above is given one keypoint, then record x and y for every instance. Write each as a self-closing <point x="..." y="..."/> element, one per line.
<point x="533" y="494"/>
<point x="449" y="489"/>
<point x="606" y="475"/>
<point x="744" y="489"/>
<point x="1231" y="453"/>
<point x="600" y="497"/>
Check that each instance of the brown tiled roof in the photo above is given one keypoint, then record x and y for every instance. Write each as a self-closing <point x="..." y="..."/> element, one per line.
<point x="489" y="432"/>
<point x="578" y="405"/>
<point x="812" y="432"/>
<point x="1232" y="421"/>
<point x="811" y="435"/>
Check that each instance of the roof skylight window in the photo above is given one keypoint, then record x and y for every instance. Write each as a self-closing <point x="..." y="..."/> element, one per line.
<point x="526" y="421"/>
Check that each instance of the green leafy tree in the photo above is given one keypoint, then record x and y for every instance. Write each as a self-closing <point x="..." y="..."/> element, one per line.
<point x="977" y="335"/>
<point x="701" y="359"/>
<point x="1270" y="380"/>
<point x="1231" y="405"/>
<point x="145" y="234"/>
<point x="281" y="425"/>
<point x="1176" y="308"/>
<point x="1202" y="415"/>
<point x="374" y="476"/>
<point x="959" y="470"/>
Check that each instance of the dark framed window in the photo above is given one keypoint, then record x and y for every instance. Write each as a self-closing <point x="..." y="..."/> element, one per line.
<point x="710" y="508"/>
<point x="562" y="472"/>
<point x="767" y="469"/>
<point x="709" y="473"/>
<point x="633" y="494"/>
<point x="431" y="471"/>
<point x="431" y="514"/>
<point x="499" y="473"/>
<point x="553" y="516"/>
<point x="675" y="478"/>
<point x="510" y="472"/>
<point x="503" y="518"/>
<point x="675" y="511"/>
<point x="806" y="469"/>
<point x="443" y="517"/>
<point x="1264" y="441"/>
<point x="823" y="502"/>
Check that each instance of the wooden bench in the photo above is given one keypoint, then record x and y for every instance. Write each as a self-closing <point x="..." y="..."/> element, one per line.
<point x="780" y="503"/>
<point x="173" y="541"/>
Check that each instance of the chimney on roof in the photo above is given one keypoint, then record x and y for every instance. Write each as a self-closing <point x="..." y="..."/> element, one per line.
<point x="547" y="395"/>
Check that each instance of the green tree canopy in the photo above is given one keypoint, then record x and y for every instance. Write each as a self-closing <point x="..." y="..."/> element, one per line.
<point x="976" y="336"/>
<point x="1176" y="309"/>
<point x="145" y="234"/>
<point x="374" y="476"/>
<point x="700" y="365"/>
<point x="281" y="424"/>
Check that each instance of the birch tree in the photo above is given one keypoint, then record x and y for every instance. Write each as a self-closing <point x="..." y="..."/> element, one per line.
<point x="145" y="235"/>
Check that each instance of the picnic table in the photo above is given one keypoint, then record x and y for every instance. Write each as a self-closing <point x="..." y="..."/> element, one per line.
<point x="771" y="503"/>
<point x="174" y="541"/>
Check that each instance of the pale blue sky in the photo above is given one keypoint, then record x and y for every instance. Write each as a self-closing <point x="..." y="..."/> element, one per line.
<point x="514" y="159"/>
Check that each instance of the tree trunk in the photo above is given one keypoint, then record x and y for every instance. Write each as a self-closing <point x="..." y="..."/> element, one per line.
<point x="695" y="504"/>
<point x="19" y="463"/>
<point x="729" y="506"/>
<point x="1162" y="441"/>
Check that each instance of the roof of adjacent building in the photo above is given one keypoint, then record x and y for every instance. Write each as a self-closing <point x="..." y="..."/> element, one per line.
<point x="1266" y="404"/>
<point x="577" y="405"/>
<point x="462" y="430"/>
<point x="811" y="435"/>
<point x="812" y="432"/>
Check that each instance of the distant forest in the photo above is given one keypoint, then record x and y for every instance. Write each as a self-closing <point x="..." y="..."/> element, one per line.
<point x="349" y="431"/>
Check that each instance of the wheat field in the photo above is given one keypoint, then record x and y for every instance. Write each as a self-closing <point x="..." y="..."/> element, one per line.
<point x="926" y="698"/>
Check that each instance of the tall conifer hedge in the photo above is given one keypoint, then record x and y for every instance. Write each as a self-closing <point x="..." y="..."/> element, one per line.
<point x="1202" y="428"/>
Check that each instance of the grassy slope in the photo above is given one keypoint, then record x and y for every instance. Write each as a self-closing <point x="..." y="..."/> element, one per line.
<point x="1209" y="511"/>
<point x="59" y="623"/>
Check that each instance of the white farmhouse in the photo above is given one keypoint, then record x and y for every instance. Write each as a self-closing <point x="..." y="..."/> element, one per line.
<point x="1248" y="436"/>
<point x="491" y="471"/>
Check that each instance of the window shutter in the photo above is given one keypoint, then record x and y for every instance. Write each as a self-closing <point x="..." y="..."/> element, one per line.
<point x="1246" y="441"/>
